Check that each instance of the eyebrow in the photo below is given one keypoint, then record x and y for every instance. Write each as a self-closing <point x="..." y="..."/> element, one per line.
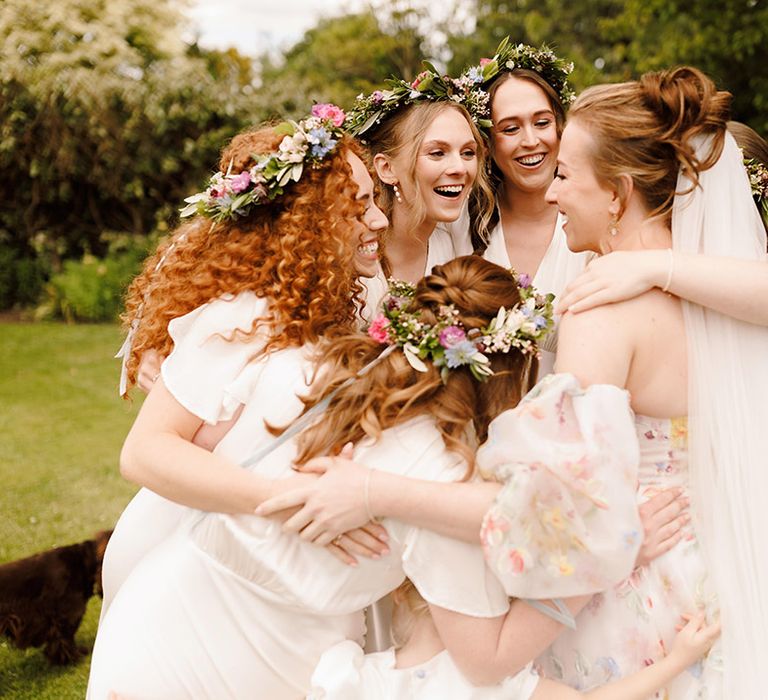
<point x="535" y="114"/>
<point x="439" y="142"/>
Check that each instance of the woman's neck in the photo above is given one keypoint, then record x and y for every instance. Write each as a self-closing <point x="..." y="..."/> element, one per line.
<point x="407" y="245"/>
<point x="525" y="207"/>
<point x="638" y="232"/>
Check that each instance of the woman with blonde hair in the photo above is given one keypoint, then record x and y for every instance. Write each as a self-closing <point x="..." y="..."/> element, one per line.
<point x="430" y="159"/>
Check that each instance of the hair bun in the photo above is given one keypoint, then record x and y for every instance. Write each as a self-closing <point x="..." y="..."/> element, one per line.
<point x="686" y="101"/>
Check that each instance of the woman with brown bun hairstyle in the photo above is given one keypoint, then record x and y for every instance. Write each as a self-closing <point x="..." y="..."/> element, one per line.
<point x="649" y="166"/>
<point x="230" y="605"/>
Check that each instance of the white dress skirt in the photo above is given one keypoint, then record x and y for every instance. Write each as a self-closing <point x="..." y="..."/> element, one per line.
<point x="232" y="607"/>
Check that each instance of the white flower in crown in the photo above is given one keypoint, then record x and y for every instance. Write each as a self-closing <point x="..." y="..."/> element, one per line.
<point x="293" y="148"/>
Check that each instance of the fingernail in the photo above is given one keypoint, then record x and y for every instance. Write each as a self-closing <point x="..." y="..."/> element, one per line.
<point x="383" y="537"/>
<point x="257" y="511"/>
<point x="375" y="555"/>
<point x="385" y="551"/>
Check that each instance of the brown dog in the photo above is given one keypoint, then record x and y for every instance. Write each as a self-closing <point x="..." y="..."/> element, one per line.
<point x="43" y="597"/>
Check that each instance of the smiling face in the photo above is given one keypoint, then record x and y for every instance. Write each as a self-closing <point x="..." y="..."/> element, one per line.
<point x="441" y="172"/>
<point x="524" y="139"/>
<point x="586" y="203"/>
<point x="373" y="221"/>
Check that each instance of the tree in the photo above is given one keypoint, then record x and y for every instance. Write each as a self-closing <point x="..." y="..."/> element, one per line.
<point x="107" y="119"/>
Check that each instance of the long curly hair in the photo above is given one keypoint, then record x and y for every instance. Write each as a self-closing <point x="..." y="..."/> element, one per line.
<point x="297" y="251"/>
<point x="392" y="392"/>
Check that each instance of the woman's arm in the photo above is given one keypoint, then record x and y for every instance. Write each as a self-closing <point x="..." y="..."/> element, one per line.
<point x="487" y="650"/>
<point x="158" y="453"/>
<point x="691" y="643"/>
<point x="348" y="495"/>
<point x="732" y="286"/>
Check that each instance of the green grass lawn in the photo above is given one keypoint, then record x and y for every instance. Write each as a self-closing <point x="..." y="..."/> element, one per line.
<point x="61" y="428"/>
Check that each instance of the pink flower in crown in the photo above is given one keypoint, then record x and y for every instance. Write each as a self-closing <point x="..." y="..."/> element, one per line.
<point x="329" y="112"/>
<point x="419" y="78"/>
<point x="485" y="61"/>
<point x="379" y="329"/>
<point x="451" y="336"/>
<point x="377" y="96"/>
<point x="240" y="182"/>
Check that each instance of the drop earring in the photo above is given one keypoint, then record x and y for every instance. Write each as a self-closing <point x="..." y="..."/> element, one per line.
<point x="398" y="196"/>
<point x="613" y="226"/>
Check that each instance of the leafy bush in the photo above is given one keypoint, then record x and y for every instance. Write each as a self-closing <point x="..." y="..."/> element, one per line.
<point x="21" y="279"/>
<point x="92" y="288"/>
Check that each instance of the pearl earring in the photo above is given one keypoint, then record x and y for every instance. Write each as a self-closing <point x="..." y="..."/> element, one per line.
<point x="613" y="226"/>
<point x="398" y="196"/>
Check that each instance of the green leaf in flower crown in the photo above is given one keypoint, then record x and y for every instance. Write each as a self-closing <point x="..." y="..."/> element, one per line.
<point x="425" y="83"/>
<point x="285" y="129"/>
<point x="296" y="171"/>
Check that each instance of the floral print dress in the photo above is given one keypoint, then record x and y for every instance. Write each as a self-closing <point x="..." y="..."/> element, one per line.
<point x="576" y="465"/>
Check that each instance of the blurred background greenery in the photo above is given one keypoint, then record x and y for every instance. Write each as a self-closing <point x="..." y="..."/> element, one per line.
<point x="108" y="119"/>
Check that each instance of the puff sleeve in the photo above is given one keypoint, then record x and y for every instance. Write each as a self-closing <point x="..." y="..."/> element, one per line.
<point x="337" y="675"/>
<point x="209" y="355"/>
<point x="566" y="521"/>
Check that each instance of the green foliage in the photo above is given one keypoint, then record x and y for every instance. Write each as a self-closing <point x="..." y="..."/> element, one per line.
<point x="340" y="58"/>
<point x="62" y="425"/>
<point x="615" y="40"/>
<point x="91" y="289"/>
<point x="107" y="118"/>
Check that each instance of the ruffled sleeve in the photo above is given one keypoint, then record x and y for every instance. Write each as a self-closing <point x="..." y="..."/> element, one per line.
<point x="566" y="521"/>
<point x="337" y="675"/>
<point x="208" y="356"/>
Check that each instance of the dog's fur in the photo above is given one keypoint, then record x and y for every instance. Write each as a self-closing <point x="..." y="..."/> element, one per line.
<point x="43" y="597"/>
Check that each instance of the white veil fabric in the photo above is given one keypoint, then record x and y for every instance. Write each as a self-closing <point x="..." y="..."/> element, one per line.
<point x="728" y="420"/>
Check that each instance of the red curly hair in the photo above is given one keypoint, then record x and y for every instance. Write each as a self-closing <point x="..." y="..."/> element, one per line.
<point x="297" y="250"/>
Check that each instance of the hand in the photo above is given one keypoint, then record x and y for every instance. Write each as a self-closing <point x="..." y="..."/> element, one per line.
<point x="368" y="541"/>
<point x="614" y="277"/>
<point x="149" y="369"/>
<point x="332" y="505"/>
<point x="694" y="639"/>
<point x="664" y="517"/>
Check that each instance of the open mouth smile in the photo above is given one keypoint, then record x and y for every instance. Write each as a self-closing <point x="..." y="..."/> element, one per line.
<point x="532" y="160"/>
<point x="450" y="191"/>
<point x="369" y="249"/>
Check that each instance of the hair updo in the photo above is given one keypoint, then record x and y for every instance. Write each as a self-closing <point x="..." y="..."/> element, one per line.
<point x="392" y="391"/>
<point x="645" y="129"/>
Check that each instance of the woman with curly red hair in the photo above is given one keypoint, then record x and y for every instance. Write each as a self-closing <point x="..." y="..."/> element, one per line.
<point x="269" y="264"/>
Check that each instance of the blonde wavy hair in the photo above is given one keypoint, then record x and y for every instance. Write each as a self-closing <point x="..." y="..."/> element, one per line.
<point x="403" y="132"/>
<point x="392" y="392"/>
<point x="298" y="251"/>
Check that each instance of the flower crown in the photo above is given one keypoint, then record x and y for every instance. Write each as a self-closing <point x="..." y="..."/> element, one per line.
<point x="447" y="344"/>
<point x="370" y="110"/>
<point x="508" y="56"/>
<point x="229" y="196"/>
<point x="758" y="180"/>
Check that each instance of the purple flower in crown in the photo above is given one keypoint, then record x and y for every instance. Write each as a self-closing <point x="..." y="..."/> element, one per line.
<point x="240" y="182"/>
<point x="524" y="281"/>
<point x="451" y="335"/>
<point x="377" y="96"/>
